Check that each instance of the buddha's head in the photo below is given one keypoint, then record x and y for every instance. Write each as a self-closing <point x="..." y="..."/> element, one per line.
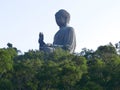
<point x="62" y="18"/>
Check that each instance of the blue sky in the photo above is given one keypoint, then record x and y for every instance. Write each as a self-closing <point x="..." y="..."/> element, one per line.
<point x="96" y="22"/>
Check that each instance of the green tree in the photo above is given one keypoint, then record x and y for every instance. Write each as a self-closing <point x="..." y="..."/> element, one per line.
<point x="103" y="67"/>
<point x="6" y="62"/>
<point x="6" y="67"/>
<point x="9" y="45"/>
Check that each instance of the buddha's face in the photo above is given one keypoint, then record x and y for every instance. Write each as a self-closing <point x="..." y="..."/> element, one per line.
<point x="61" y="21"/>
<point x="62" y="18"/>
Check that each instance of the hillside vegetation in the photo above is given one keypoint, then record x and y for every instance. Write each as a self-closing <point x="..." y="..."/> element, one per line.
<point x="35" y="70"/>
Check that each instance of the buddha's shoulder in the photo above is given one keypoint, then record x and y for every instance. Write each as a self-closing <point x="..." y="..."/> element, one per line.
<point x="70" y="28"/>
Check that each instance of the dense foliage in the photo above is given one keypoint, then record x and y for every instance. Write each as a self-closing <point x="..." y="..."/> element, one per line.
<point x="35" y="70"/>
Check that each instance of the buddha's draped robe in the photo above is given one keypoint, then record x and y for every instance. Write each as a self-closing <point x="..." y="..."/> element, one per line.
<point x="66" y="38"/>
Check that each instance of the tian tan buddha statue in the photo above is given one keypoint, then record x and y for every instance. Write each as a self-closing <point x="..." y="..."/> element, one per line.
<point x="64" y="38"/>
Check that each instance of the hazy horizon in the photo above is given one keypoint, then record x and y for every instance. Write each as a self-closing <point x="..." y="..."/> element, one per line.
<point x="96" y="22"/>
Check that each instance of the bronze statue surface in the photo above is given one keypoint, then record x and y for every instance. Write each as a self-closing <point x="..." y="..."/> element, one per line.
<point x="64" y="38"/>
